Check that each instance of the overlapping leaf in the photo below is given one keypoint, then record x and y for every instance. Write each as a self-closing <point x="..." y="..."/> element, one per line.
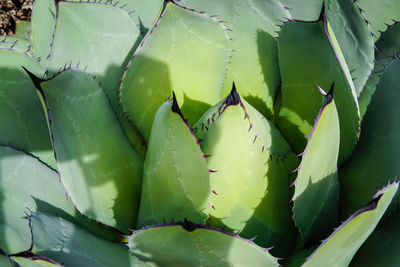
<point x="254" y="26"/>
<point x="376" y="158"/>
<point x="316" y="197"/>
<point x="60" y="240"/>
<point x="178" y="39"/>
<point x="350" y="38"/>
<point x="339" y="248"/>
<point x="176" y="178"/>
<point x="188" y="244"/>
<point x="306" y="59"/>
<point x="21" y="115"/>
<point x="252" y="165"/>
<point x="100" y="170"/>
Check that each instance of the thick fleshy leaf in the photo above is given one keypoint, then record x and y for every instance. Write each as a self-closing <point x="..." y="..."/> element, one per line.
<point x="253" y="65"/>
<point x="100" y="170"/>
<point x="251" y="165"/>
<point x="5" y="261"/>
<point x="62" y="241"/>
<point x="24" y="262"/>
<point x="23" y="29"/>
<point x="188" y="244"/>
<point x="82" y="37"/>
<point x="306" y="59"/>
<point x="26" y="184"/>
<point x="350" y="38"/>
<point x="377" y="157"/>
<point x="176" y="178"/>
<point x="316" y="196"/>
<point x="297" y="258"/>
<point x="382" y="247"/>
<point x="379" y="15"/>
<point x="339" y="248"/>
<point x="142" y="12"/>
<point x="16" y="44"/>
<point x="184" y="51"/>
<point x="387" y="48"/>
<point x="21" y="115"/>
<point x="305" y="10"/>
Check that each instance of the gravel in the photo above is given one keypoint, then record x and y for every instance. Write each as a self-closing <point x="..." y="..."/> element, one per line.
<point x="11" y="11"/>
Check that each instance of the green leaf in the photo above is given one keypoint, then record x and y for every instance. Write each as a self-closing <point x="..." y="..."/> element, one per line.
<point x="188" y="244"/>
<point x="176" y="178"/>
<point x="387" y="48"/>
<point x="306" y="59"/>
<point x="178" y="39"/>
<point x="62" y="241"/>
<point x="82" y="37"/>
<point x="5" y="261"/>
<point x="97" y="165"/>
<point x="377" y="157"/>
<point x="34" y="263"/>
<point x="350" y="38"/>
<point x="379" y="16"/>
<point x="382" y="246"/>
<point x="142" y="12"/>
<point x="253" y="65"/>
<point x="26" y="184"/>
<point x="252" y="165"/>
<point x="306" y="10"/>
<point x="339" y="248"/>
<point x="42" y="26"/>
<point x="297" y="258"/>
<point x="16" y="44"/>
<point x="23" y="29"/>
<point x="316" y="196"/>
<point x="21" y="114"/>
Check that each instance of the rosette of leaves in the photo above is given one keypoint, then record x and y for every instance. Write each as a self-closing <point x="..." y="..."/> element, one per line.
<point x="165" y="133"/>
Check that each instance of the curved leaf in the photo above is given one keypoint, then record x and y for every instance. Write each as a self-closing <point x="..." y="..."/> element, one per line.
<point x="306" y="59"/>
<point x="178" y="39"/>
<point x="176" y="179"/>
<point x="252" y="165"/>
<point x="82" y="37"/>
<point x="351" y="40"/>
<point x="253" y="65"/>
<point x="382" y="246"/>
<point x="377" y="157"/>
<point x="379" y="16"/>
<point x="16" y="44"/>
<point x="188" y="244"/>
<point x="62" y="241"/>
<point x="100" y="170"/>
<point x="339" y="248"/>
<point x="21" y="114"/>
<point x="306" y="10"/>
<point x="387" y="48"/>
<point x="316" y="196"/>
<point x="26" y="184"/>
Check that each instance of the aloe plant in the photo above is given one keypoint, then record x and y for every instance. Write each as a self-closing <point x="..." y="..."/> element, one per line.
<point x="201" y="133"/>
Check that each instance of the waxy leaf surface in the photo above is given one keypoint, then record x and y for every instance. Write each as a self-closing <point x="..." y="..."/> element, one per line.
<point x="252" y="165"/>
<point x="100" y="170"/>
<point x="376" y="158"/>
<point x="196" y="246"/>
<point x="316" y="196"/>
<point x="339" y="248"/>
<point x="351" y="40"/>
<point x="184" y="51"/>
<point x="62" y="241"/>
<point x="176" y="178"/>
<point x="21" y="115"/>
<point x="306" y="59"/>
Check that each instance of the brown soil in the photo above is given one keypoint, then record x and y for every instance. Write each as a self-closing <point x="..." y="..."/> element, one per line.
<point x="11" y="11"/>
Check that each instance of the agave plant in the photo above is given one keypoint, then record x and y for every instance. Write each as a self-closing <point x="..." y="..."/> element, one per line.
<point x="201" y="133"/>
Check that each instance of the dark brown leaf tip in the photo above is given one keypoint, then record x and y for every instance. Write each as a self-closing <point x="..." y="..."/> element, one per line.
<point x="329" y="96"/>
<point x="233" y="98"/>
<point x="175" y="107"/>
<point x="36" y="80"/>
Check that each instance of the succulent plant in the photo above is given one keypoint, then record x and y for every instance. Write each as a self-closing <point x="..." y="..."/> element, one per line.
<point x="165" y="133"/>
